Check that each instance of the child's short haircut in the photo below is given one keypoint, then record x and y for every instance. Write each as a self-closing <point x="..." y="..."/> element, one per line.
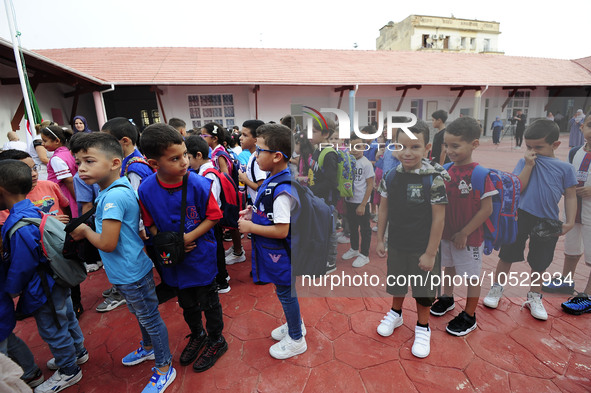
<point x="55" y="132"/>
<point x="106" y="143"/>
<point x="156" y="138"/>
<point x="252" y="125"/>
<point x="120" y="127"/>
<point x="195" y="144"/>
<point x="421" y="128"/>
<point x="277" y="137"/>
<point x="177" y="123"/>
<point x="465" y="127"/>
<point x="16" y="178"/>
<point x="440" y="115"/>
<point x="322" y="127"/>
<point x="288" y="121"/>
<point x="14" y="154"/>
<point x="543" y="128"/>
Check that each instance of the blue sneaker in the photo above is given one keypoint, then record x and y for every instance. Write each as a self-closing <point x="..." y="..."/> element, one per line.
<point x="577" y="305"/>
<point x="138" y="356"/>
<point x="559" y="285"/>
<point x="159" y="382"/>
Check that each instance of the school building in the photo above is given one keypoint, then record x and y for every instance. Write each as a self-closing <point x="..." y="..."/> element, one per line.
<point x="231" y="85"/>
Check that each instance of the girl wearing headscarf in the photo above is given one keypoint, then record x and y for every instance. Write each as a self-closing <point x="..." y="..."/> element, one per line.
<point x="80" y="125"/>
<point x="497" y="127"/>
<point x="574" y="126"/>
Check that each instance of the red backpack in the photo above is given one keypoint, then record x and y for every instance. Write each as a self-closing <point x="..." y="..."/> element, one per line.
<point x="230" y="198"/>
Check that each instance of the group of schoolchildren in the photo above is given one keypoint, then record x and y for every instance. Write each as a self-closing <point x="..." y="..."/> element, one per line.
<point x="426" y="212"/>
<point x="430" y="211"/>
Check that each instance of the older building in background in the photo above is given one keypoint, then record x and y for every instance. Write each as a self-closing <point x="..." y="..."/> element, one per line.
<point x="440" y="34"/>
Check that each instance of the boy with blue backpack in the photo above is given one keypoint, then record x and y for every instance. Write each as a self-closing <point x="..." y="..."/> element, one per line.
<point x="269" y="222"/>
<point x="544" y="180"/>
<point x="469" y="193"/>
<point x="27" y="277"/>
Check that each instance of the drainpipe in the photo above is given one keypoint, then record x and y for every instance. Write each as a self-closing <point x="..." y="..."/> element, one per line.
<point x="99" y="105"/>
<point x="352" y="107"/>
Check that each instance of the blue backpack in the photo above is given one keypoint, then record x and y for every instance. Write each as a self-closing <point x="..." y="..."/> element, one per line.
<point x="500" y="228"/>
<point x="311" y="227"/>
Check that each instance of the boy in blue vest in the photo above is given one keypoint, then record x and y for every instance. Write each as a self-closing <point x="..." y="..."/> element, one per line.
<point x="413" y="201"/>
<point x="268" y="220"/>
<point x="128" y="268"/>
<point x="23" y="263"/>
<point x="195" y="277"/>
<point x="469" y="206"/>
<point x="544" y="180"/>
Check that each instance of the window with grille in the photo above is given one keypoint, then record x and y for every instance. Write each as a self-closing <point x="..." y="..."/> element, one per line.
<point x="207" y="108"/>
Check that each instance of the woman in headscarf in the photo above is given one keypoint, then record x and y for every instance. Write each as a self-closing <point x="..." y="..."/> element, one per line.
<point x="80" y="125"/>
<point x="497" y="127"/>
<point x="574" y="126"/>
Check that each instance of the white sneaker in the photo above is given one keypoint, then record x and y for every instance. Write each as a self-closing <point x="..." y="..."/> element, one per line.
<point x="287" y="348"/>
<point x="343" y="239"/>
<point x="93" y="267"/>
<point x="494" y="295"/>
<point x="80" y="359"/>
<point x="280" y="332"/>
<point x="350" y="254"/>
<point x="361" y="261"/>
<point x="390" y="322"/>
<point x="229" y="251"/>
<point x="374" y="228"/>
<point x="233" y="258"/>
<point x="536" y="307"/>
<point x="422" y="345"/>
<point x="59" y="382"/>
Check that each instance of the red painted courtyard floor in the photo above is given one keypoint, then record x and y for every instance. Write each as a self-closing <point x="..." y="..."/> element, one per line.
<point x="509" y="351"/>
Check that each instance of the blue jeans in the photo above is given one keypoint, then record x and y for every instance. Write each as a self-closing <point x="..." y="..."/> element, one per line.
<point x="291" y="309"/>
<point x="19" y="352"/>
<point x="143" y="303"/>
<point x="66" y="341"/>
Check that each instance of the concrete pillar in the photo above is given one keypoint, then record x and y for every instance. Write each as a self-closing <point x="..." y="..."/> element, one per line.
<point x="99" y="106"/>
<point x="477" y="104"/>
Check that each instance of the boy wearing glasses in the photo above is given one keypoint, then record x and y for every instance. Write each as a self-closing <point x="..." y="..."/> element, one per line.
<point x="45" y="194"/>
<point x="268" y="220"/>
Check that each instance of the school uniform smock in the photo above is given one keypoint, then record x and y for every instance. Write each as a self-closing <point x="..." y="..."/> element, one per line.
<point x="270" y="259"/>
<point x="161" y="206"/>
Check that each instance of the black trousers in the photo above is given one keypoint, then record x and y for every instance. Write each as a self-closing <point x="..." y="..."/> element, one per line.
<point x="196" y="300"/>
<point x="359" y="225"/>
<point x="221" y="256"/>
<point x="519" y="137"/>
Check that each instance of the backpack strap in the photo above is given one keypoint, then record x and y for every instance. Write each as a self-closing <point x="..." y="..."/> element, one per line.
<point x="75" y="222"/>
<point x="252" y="173"/>
<point x="184" y="203"/>
<point x="572" y="152"/>
<point x="323" y="154"/>
<point x="479" y="175"/>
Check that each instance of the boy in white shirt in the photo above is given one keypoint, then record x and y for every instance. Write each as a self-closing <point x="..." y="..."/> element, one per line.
<point x="357" y="208"/>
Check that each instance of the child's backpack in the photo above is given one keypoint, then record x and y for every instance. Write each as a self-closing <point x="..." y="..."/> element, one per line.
<point x="134" y="160"/>
<point x="311" y="227"/>
<point x="230" y="198"/>
<point x="54" y="243"/>
<point x="501" y="226"/>
<point x="234" y="163"/>
<point x="346" y="166"/>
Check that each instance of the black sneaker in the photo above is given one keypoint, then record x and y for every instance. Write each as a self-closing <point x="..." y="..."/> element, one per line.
<point x="461" y="325"/>
<point x="212" y="352"/>
<point x="443" y="304"/>
<point x="192" y="349"/>
<point x="35" y="380"/>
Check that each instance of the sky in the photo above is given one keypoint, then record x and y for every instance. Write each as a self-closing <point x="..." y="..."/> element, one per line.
<point x="528" y="28"/>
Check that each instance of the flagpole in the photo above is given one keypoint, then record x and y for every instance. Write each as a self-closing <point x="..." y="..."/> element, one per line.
<point x="19" y="66"/>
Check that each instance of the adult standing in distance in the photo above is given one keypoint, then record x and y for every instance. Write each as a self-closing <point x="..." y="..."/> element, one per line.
<point x="519" y="120"/>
